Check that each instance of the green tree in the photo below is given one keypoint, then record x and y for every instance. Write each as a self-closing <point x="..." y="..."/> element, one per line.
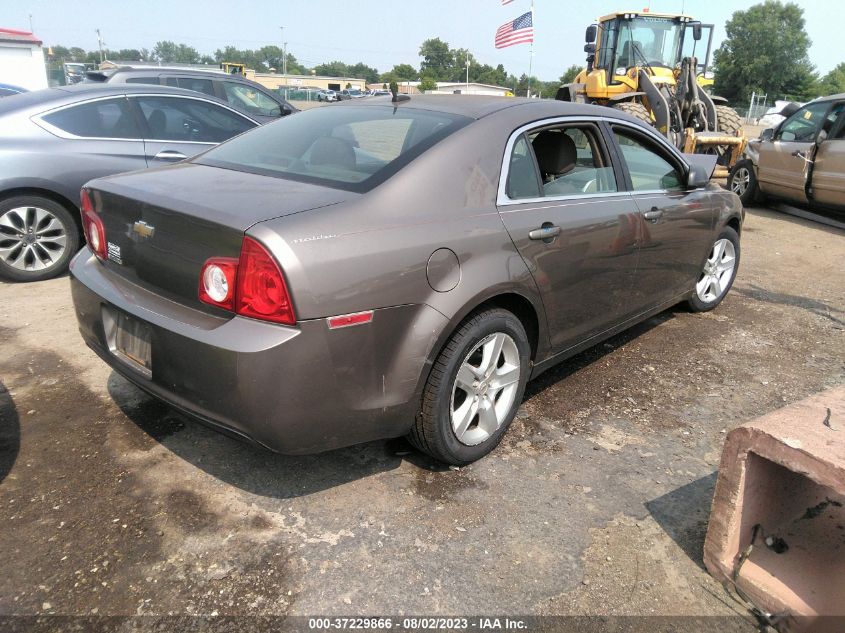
<point x="834" y="81"/>
<point x="438" y="59"/>
<point x="427" y="83"/>
<point x="570" y="74"/>
<point x="128" y="54"/>
<point x="332" y="69"/>
<point x="404" y="72"/>
<point x="367" y="73"/>
<point x="168" y="52"/>
<point x="765" y="51"/>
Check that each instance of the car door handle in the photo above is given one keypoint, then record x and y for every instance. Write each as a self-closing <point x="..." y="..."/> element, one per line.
<point x="545" y="232"/>
<point x="654" y="215"/>
<point x="169" y="154"/>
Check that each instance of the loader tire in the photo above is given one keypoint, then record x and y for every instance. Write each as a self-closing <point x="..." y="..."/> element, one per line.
<point x="637" y="110"/>
<point x="728" y="121"/>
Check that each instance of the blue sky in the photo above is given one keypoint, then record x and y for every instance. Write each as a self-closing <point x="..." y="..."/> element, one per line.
<point x="380" y="33"/>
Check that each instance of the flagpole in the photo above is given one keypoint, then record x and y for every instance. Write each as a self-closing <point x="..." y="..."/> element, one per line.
<point x="530" y="54"/>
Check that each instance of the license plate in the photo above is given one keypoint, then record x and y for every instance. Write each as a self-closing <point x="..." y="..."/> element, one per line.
<point x="132" y="342"/>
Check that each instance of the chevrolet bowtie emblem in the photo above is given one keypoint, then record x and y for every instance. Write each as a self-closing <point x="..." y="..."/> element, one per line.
<point x="143" y="229"/>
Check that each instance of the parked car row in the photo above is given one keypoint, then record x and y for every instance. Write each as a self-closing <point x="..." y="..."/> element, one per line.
<point x="244" y="95"/>
<point x="801" y="160"/>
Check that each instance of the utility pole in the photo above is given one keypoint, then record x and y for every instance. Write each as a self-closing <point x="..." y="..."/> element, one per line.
<point x="100" y="44"/>
<point x="284" y="57"/>
<point x="467" y="72"/>
<point x="31" y="30"/>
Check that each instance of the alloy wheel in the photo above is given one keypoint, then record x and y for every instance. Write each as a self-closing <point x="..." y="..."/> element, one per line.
<point x="485" y="389"/>
<point x="740" y="180"/>
<point x="718" y="271"/>
<point x="31" y="238"/>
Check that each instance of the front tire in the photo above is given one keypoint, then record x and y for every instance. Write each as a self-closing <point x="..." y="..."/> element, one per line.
<point x="742" y="180"/>
<point x="635" y="109"/>
<point x="38" y="236"/>
<point x="718" y="274"/>
<point x="474" y="389"/>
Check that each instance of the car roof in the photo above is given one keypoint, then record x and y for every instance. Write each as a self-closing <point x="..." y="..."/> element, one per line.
<point x="479" y="106"/>
<point x="836" y="97"/>
<point x="82" y="91"/>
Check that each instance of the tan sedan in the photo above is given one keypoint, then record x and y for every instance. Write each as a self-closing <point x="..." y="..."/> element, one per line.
<point x="802" y="160"/>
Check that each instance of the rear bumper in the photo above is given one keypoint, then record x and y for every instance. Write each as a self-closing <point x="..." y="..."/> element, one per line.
<point x="300" y="389"/>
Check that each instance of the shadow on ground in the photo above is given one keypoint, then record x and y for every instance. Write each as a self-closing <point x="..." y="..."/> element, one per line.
<point x="683" y="514"/>
<point x="10" y="432"/>
<point x="253" y="468"/>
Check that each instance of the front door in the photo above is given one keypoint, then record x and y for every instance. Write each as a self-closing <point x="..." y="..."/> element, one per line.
<point x="574" y="226"/>
<point x="828" y="175"/>
<point x="783" y="162"/>
<point x="179" y="127"/>
<point x="675" y="224"/>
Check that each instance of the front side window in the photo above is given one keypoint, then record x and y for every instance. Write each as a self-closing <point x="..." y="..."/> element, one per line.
<point x="147" y="79"/>
<point x="648" y="168"/>
<point x="109" y="118"/>
<point x="250" y="100"/>
<point x="190" y="120"/>
<point x="802" y="126"/>
<point x="347" y="148"/>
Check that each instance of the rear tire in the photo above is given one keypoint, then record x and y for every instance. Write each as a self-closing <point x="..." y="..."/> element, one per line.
<point x="474" y="389"/>
<point x="38" y="236"/>
<point x="637" y="110"/>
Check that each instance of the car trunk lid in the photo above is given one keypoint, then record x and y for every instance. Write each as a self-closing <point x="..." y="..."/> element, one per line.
<point x="161" y="225"/>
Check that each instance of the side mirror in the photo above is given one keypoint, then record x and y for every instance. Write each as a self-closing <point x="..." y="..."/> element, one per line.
<point x="592" y="32"/>
<point x="768" y="134"/>
<point x="698" y="177"/>
<point x="286" y="110"/>
<point x="590" y="49"/>
<point x="696" y="32"/>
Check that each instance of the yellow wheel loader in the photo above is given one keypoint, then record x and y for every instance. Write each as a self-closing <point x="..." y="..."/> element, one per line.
<point x="646" y="64"/>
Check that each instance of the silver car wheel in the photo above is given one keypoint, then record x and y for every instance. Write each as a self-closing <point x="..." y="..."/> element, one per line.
<point x="718" y="271"/>
<point x="31" y="238"/>
<point x="485" y="389"/>
<point x="741" y="180"/>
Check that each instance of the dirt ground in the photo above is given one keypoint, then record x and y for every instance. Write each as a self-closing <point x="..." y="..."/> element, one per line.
<point x="596" y="502"/>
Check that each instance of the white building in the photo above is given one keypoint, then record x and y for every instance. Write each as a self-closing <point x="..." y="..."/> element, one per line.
<point x="471" y="88"/>
<point x="22" y="60"/>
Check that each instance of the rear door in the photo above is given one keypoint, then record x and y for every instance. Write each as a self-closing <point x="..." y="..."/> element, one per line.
<point x="828" y="175"/>
<point x="178" y="127"/>
<point x="576" y="229"/>
<point x="782" y="164"/>
<point x="675" y="225"/>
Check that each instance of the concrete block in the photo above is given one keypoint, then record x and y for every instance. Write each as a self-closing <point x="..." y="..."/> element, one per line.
<point x="786" y="472"/>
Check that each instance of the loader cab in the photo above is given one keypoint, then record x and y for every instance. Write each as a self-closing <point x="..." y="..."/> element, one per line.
<point x="655" y="42"/>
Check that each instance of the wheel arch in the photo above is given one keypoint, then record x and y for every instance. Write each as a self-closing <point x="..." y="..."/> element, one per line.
<point x="56" y="197"/>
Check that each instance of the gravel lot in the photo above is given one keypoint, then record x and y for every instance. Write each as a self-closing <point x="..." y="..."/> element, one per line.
<point x="596" y="503"/>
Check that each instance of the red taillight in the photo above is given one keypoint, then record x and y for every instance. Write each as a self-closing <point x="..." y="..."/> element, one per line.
<point x="252" y="286"/>
<point x="217" y="282"/>
<point x="92" y="226"/>
<point x="261" y="290"/>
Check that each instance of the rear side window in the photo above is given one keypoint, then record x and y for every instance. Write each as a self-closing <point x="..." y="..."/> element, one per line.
<point x="648" y="168"/>
<point x="149" y="79"/>
<point x="111" y="118"/>
<point x="348" y="148"/>
<point x="195" y="84"/>
<point x="571" y="162"/>
<point x="190" y="120"/>
<point x="248" y="99"/>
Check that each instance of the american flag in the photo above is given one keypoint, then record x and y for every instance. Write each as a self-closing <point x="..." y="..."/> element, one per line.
<point x="519" y="31"/>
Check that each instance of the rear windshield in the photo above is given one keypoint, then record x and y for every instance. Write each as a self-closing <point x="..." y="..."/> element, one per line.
<point x="353" y="148"/>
